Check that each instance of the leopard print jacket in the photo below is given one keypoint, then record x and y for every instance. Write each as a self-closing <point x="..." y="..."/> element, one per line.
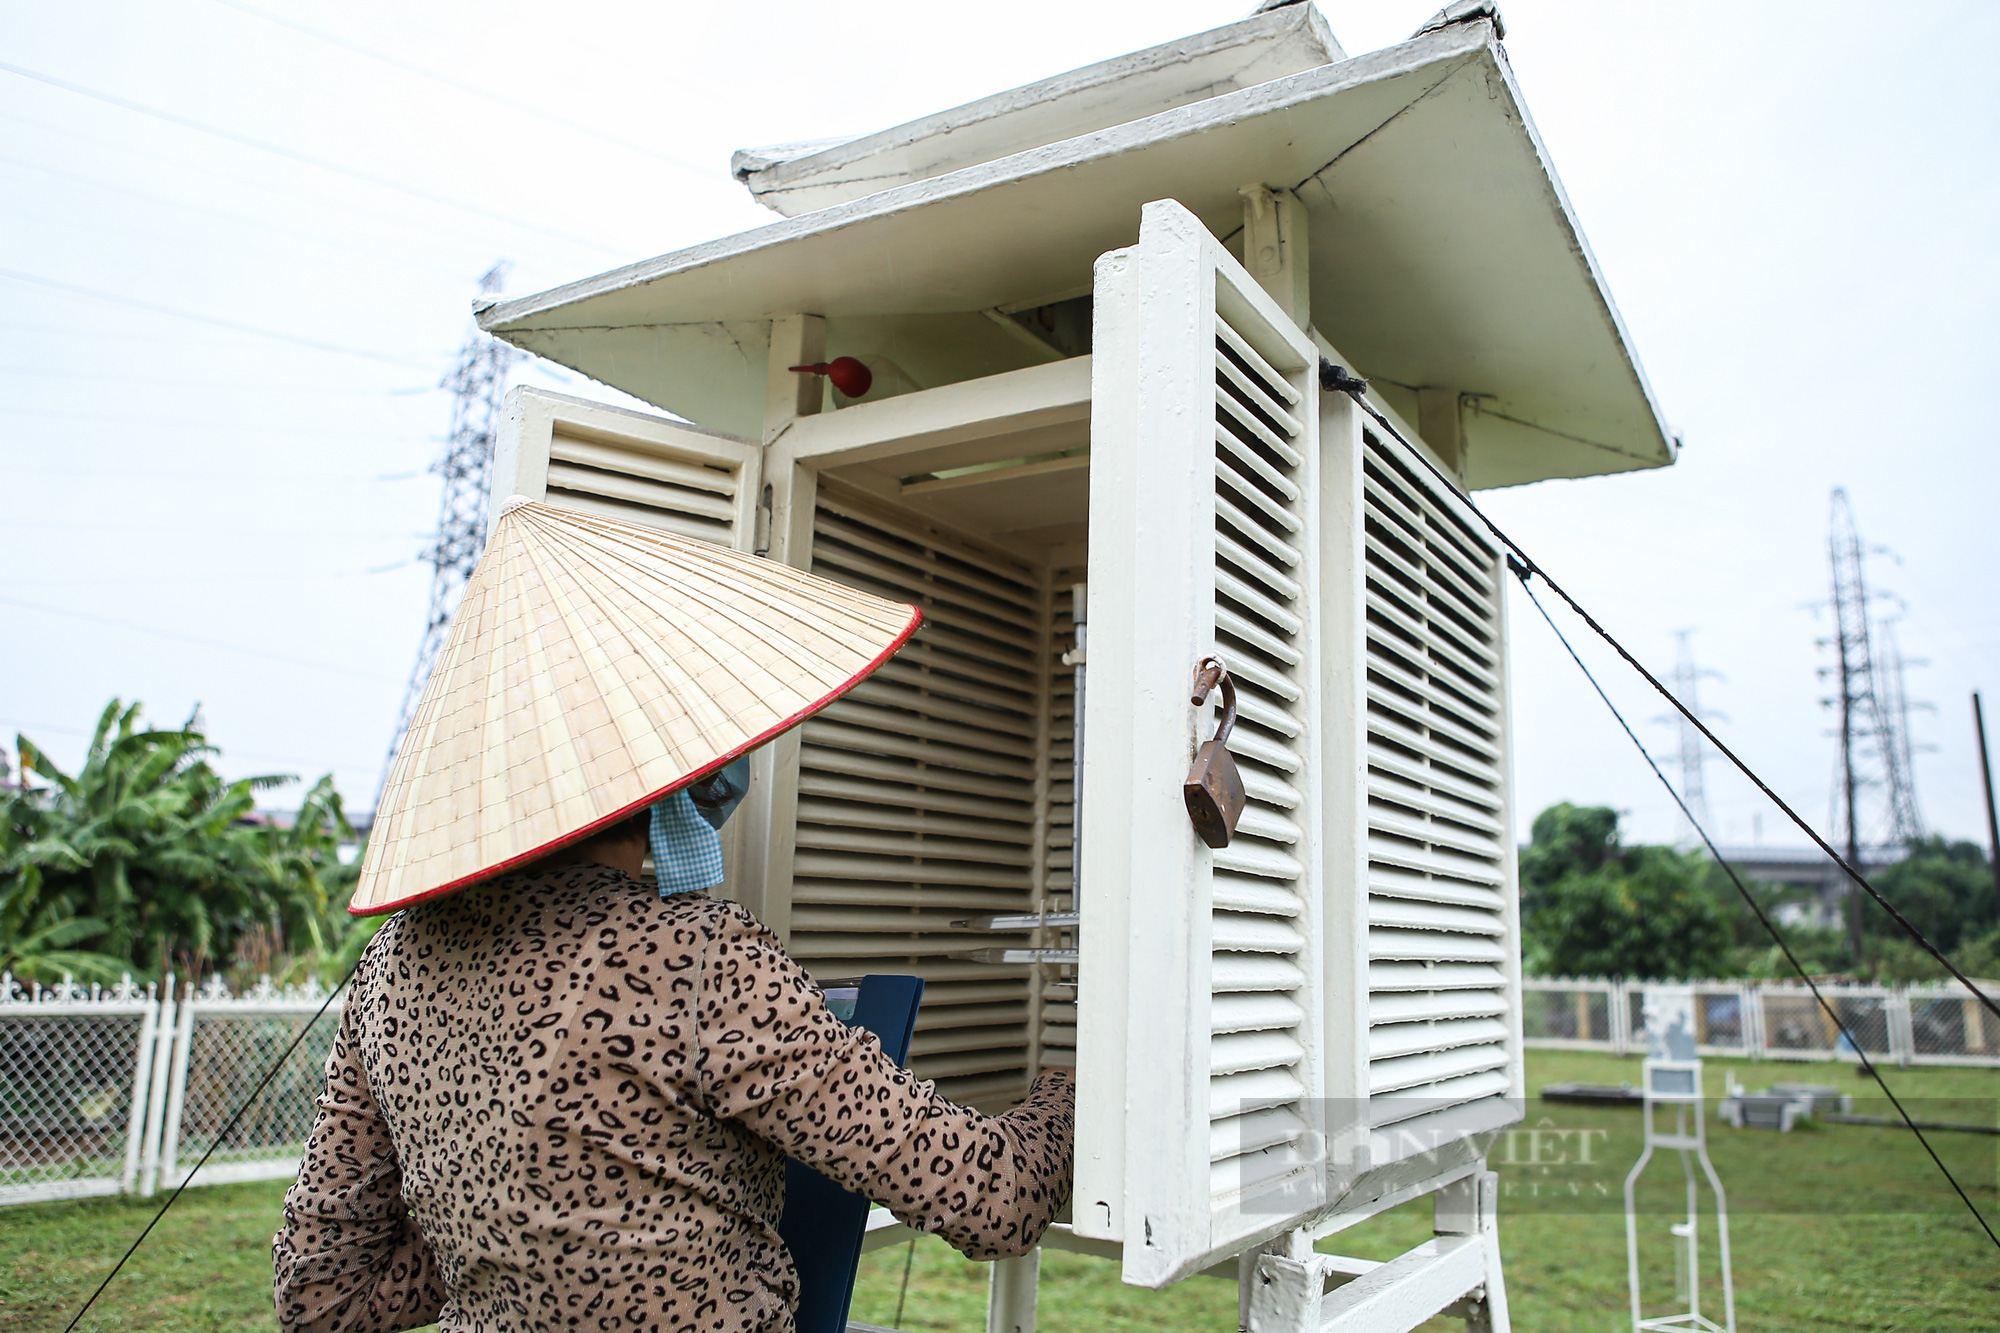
<point x="559" y="1101"/>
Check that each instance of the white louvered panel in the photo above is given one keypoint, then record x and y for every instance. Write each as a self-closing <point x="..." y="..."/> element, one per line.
<point x="1236" y="1135"/>
<point x="1237" y="893"/>
<point x="634" y="466"/>
<point x="1257" y="1056"/>
<point x="918" y="797"/>
<point x="1398" y="1039"/>
<point x="623" y="480"/>
<point x="1438" y="938"/>
<point x="1398" y="882"/>
<point x="1251" y="1012"/>
<point x="1203" y="970"/>
<point x="1387" y="978"/>
<point x="1056" y="1035"/>
<point x="1388" y="1007"/>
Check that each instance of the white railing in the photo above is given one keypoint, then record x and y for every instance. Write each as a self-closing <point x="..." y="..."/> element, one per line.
<point x="1931" y="1023"/>
<point x="121" y="1090"/>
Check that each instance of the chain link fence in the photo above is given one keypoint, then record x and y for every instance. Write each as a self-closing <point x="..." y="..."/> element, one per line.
<point x="117" y="1090"/>
<point x="1949" y="1026"/>
<point x="224" y="1045"/>
<point x="74" y="1067"/>
<point x="1933" y="1023"/>
<point x="122" y="1089"/>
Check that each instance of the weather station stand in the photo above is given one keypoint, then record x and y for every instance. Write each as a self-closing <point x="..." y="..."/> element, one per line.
<point x="1671" y="1078"/>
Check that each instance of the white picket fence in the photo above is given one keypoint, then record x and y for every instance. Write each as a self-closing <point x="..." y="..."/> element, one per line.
<point x="1939" y="1023"/>
<point x="121" y="1090"/>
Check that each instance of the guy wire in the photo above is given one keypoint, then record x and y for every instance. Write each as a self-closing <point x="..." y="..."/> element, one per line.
<point x="220" y="1135"/>
<point x="1335" y="379"/>
<point x="909" y="1257"/>
<point x="1524" y="574"/>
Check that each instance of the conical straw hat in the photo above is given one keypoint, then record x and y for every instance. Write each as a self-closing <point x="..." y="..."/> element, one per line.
<point x="594" y="666"/>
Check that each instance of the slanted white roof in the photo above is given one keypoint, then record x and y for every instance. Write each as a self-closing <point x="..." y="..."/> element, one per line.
<point x="797" y="178"/>
<point x="1444" y="254"/>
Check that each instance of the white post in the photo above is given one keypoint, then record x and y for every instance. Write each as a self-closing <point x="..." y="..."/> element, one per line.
<point x="156" y="1097"/>
<point x="177" y="1076"/>
<point x="142" y="1067"/>
<point x="1902" y="1033"/>
<point x="1010" y="1293"/>
<point x="762" y="832"/>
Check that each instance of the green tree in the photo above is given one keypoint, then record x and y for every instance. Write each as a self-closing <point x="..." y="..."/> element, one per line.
<point x="147" y="858"/>
<point x="295" y="869"/>
<point x="1945" y="889"/>
<point x="1593" y="906"/>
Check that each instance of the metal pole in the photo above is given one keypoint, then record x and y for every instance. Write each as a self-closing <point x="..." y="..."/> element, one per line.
<point x="1986" y="772"/>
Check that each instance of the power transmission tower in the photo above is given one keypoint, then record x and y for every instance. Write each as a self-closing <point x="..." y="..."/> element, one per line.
<point x="1874" y="738"/>
<point x="1906" y="821"/>
<point x="477" y="382"/>
<point x="1687" y="680"/>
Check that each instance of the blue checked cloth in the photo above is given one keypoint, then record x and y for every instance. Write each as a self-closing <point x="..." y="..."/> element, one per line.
<point x="687" y="851"/>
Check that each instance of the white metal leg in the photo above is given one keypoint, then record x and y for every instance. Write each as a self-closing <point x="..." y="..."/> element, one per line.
<point x="1010" y="1293"/>
<point x="1290" y="1289"/>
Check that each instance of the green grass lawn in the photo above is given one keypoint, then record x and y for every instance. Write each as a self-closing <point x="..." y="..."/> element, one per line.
<point x="1834" y="1227"/>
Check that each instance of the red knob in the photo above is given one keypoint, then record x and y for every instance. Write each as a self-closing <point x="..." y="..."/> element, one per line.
<point x="849" y="376"/>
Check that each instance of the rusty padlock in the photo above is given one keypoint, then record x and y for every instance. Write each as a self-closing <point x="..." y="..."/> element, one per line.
<point x="1214" y="789"/>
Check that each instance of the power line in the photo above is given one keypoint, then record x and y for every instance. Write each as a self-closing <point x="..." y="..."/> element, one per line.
<point x="181" y="382"/>
<point x="178" y="580"/>
<point x="346" y="534"/>
<point x="1335" y="379"/>
<point x="288" y="190"/>
<point x="366" y="252"/>
<point x="179" y="423"/>
<point x="1524" y="574"/>
<point x="409" y="67"/>
<point x="178" y="340"/>
<point x="22" y="725"/>
<point x="175" y="312"/>
<point x="114" y="472"/>
<point x="185" y="122"/>
<point x="190" y="638"/>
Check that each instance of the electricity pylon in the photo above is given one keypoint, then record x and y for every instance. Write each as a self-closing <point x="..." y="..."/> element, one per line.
<point x="1687" y="680"/>
<point x="478" y="383"/>
<point x="1874" y="737"/>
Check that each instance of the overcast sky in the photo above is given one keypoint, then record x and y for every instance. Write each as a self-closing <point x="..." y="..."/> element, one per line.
<point x="236" y="258"/>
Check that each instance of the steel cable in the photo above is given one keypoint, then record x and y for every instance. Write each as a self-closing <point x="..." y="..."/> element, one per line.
<point x="1335" y="379"/>
<point x="1522" y="573"/>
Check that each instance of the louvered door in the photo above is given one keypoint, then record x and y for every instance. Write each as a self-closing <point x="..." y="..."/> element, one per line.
<point x="924" y="796"/>
<point x="1442" y="947"/>
<point x="630" y="465"/>
<point x="1200" y="976"/>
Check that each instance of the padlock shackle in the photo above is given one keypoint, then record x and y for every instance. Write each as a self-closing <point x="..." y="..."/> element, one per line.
<point x="1210" y="674"/>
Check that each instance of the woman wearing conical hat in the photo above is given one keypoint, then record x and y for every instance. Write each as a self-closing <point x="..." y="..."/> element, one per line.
<point x="560" y="1097"/>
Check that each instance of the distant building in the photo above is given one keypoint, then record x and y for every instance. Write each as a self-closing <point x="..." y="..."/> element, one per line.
<point x="1824" y="888"/>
